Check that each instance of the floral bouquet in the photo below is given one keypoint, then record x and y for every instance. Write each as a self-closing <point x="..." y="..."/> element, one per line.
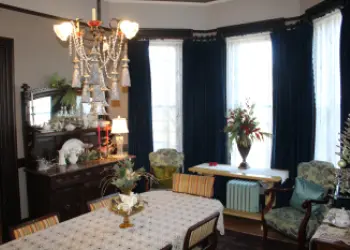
<point x="243" y="127"/>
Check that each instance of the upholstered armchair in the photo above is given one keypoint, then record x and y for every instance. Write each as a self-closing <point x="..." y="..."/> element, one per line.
<point x="164" y="163"/>
<point x="300" y="224"/>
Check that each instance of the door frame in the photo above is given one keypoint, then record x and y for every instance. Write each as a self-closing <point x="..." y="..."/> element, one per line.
<point x="9" y="183"/>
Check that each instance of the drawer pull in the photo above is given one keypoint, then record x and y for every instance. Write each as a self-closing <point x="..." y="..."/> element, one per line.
<point x="59" y="180"/>
<point x="76" y="176"/>
<point x="67" y="206"/>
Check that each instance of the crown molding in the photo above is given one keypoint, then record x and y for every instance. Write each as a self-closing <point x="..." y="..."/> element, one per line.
<point x="169" y="2"/>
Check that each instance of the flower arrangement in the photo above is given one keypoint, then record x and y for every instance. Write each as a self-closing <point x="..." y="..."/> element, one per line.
<point x="124" y="177"/>
<point x="243" y="127"/>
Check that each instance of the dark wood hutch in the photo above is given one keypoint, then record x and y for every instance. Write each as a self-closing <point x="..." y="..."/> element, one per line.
<point x="62" y="189"/>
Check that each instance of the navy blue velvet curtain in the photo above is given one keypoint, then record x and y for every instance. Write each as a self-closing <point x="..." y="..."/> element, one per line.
<point x="140" y="104"/>
<point x="293" y="98"/>
<point x="204" y="101"/>
<point x="345" y="64"/>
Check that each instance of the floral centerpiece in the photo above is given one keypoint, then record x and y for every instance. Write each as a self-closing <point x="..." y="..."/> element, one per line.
<point x="243" y="128"/>
<point x="124" y="178"/>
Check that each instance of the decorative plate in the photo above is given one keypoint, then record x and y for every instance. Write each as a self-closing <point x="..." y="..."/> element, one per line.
<point x="73" y="145"/>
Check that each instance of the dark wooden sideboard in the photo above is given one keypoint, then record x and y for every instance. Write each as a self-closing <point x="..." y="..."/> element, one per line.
<point x="66" y="189"/>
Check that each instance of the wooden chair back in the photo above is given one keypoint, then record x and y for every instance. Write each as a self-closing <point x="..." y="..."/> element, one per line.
<point x="167" y="247"/>
<point x="203" y="234"/>
<point x="33" y="226"/>
<point x="194" y="184"/>
<point x="100" y="203"/>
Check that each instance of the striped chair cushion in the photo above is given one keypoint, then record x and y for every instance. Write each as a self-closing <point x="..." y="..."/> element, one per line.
<point x="36" y="226"/>
<point x="194" y="184"/>
<point x="202" y="232"/>
<point x="100" y="204"/>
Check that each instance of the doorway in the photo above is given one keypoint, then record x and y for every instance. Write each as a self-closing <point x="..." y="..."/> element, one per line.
<point x="9" y="189"/>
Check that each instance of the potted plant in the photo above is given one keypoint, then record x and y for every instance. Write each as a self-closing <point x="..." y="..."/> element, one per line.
<point x="243" y="128"/>
<point x="67" y="96"/>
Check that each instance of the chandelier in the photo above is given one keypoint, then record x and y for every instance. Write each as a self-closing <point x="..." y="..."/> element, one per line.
<point x="98" y="58"/>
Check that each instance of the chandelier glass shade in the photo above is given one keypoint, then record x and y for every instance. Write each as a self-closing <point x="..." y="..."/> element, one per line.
<point x="100" y="58"/>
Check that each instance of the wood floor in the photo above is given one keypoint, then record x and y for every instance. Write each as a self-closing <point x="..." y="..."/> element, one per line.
<point x="251" y="227"/>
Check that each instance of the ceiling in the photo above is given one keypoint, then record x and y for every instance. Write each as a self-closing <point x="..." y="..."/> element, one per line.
<point x="187" y="1"/>
<point x="193" y="1"/>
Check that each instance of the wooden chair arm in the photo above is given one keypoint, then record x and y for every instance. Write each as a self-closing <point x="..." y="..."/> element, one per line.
<point x="273" y="192"/>
<point x="308" y="203"/>
<point x="308" y="206"/>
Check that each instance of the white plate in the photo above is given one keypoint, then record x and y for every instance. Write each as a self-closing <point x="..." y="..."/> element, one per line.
<point x="47" y="131"/>
<point x="73" y="145"/>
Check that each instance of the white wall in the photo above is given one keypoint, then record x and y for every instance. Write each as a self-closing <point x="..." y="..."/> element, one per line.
<point x="173" y="15"/>
<point x="208" y="16"/>
<point x="305" y="4"/>
<point x="246" y="11"/>
<point x="162" y="15"/>
<point x="62" y="8"/>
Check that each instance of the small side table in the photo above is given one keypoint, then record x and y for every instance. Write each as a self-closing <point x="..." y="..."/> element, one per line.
<point x="328" y="237"/>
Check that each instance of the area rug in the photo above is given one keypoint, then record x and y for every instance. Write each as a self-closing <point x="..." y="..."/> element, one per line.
<point x="241" y="241"/>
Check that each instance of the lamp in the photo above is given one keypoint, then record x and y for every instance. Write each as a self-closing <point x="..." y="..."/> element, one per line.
<point x="63" y="30"/>
<point x="119" y="127"/>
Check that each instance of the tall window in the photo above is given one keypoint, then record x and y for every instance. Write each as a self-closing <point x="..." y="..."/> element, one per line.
<point x="326" y="58"/>
<point x="249" y="75"/>
<point x="166" y="77"/>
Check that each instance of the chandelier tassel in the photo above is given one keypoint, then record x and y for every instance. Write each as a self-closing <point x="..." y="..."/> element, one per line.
<point x="95" y="70"/>
<point x="85" y="96"/>
<point x="76" y="83"/>
<point x="125" y="77"/>
<point x="102" y="81"/>
<point x="114" y="93"/>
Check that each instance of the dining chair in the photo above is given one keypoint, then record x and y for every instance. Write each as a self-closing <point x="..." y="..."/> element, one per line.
<point x="101" y="202"/>
<point x="33" y="226"/>
<point x="167" y="247"/>
<point x="194" y="184"/>
<point x="164" y="163"/>
<point x="203" y="235"/>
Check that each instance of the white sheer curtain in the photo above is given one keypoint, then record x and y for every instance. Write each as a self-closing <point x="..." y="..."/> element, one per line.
<point x="166" y="83"/>
<point x="249" y="75"/>
<point x="326" y="60"/>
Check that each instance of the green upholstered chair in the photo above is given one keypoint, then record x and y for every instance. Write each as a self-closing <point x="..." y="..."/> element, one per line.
<point x="164" y="163"/>
<point x="296" y="223"/>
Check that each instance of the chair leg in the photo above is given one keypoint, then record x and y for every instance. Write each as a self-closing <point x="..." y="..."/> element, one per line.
<point x="301" y="243"/>
<point x="265" y="231"/>
<point x="213" y="242"/>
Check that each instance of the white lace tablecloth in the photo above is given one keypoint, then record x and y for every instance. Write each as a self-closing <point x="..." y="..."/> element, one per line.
<point x="329" y="233"/>
<point x="165" y="220"/>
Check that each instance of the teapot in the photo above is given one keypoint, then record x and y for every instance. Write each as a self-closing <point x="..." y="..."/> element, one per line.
<point x="69" y="127"/>
<point x="46" y="126"/>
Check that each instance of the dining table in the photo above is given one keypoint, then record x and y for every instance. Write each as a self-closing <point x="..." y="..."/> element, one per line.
<point x="165" y="220"/>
